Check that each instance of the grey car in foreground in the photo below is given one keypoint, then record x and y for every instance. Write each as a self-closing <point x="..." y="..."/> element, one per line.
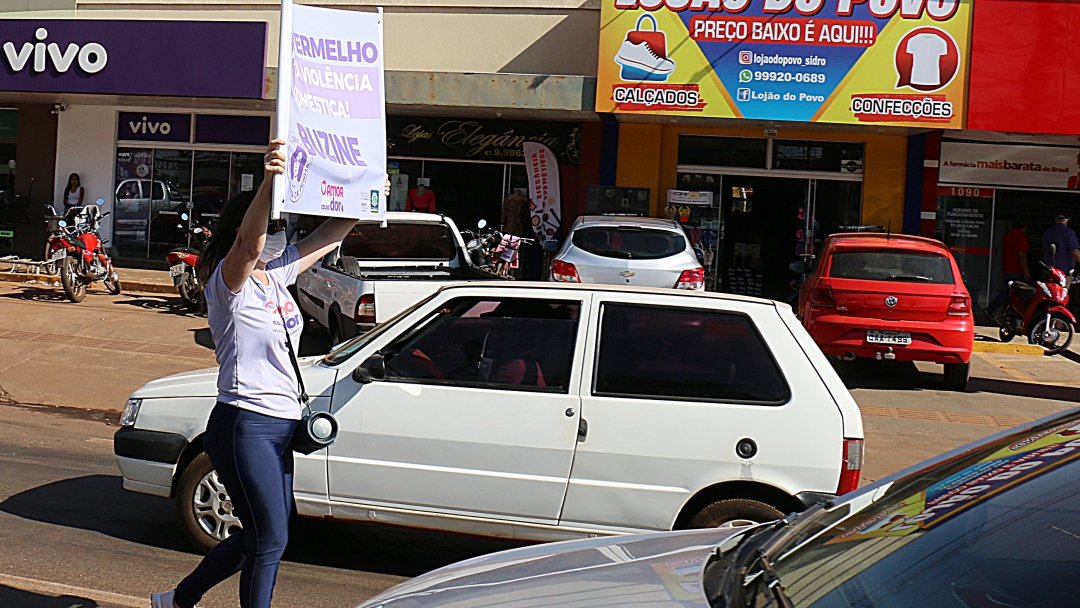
<point x="995" y="524"/>
<point x="621" y="250"/>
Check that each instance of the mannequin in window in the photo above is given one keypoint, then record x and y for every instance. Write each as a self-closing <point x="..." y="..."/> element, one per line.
<point x="420" y="198"/>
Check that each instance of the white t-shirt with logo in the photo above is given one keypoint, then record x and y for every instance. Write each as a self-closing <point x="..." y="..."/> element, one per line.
<point x="926" y="52"/>
<point x="255" y="372"/>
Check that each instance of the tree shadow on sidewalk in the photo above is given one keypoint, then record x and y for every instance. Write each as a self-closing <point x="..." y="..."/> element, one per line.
<point x="10" y="596"/>
<point x="99" y="503"/>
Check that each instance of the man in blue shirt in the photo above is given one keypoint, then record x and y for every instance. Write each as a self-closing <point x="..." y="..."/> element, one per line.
<point x="1068" y="247"/>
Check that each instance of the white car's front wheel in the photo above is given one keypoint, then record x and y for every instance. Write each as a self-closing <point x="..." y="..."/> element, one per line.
<point x="205" y="509"/>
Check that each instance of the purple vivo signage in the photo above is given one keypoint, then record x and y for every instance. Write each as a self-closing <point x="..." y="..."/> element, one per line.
<point x="143" y="126"/>
<point x="177" y="58"/>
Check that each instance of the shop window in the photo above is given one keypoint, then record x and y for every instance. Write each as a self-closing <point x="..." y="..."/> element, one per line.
<point x="685" y="355"/>
<point x="245" y="172"/>
<point x="722" y="151"/>
<point x="839" y="157"/>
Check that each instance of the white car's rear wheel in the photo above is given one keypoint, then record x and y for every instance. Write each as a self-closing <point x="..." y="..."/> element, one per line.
<point x="205" y="509"/>
<point x="733" y="513"/>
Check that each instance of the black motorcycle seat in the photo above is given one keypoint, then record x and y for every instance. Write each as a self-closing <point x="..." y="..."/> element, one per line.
<point x="187" y="250"/>
<point x="1021" y="286"/>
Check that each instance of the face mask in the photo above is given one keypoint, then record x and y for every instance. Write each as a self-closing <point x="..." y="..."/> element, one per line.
<point x="274" y="247"/>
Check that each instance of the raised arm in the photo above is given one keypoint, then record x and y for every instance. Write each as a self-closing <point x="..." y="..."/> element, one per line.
<point x="322" y="241"/>
<point x="241" y="259"/>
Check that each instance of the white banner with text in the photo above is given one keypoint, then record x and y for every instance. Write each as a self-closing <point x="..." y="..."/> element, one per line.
<point x="1008" y="165"/>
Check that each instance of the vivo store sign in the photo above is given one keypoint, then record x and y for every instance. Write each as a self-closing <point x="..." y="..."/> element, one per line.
<point x="133" y="57"/>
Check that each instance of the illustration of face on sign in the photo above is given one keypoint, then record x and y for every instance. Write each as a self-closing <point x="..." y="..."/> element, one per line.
<point x="298" y="170"/>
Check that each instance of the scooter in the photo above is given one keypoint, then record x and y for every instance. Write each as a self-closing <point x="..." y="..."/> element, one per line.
<point x="84" y="260"/>
<point x="1039" y="311"/>
<point x="182" y="263"/>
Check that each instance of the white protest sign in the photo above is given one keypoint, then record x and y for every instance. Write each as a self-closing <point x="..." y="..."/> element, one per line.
<point x="544" y="190"/>
<point x="331" y="111"/>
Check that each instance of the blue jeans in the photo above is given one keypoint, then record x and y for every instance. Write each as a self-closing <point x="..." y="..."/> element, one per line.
<point x="1000" y="299"/>
<point x="250" y="452"/>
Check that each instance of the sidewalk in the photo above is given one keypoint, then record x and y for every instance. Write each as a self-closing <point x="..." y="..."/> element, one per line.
<point x="131" y="279"/>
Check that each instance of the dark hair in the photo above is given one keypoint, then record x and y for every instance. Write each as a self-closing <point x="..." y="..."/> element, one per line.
<point x="1021" y="222"/>
<point x="224" y="236"/>
<point x="76" y="176"/>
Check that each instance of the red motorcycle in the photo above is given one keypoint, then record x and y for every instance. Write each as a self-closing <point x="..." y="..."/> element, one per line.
<point x="1039" y="312"/>
<point x="78" y="248"/>
<point x="182" y="263"/>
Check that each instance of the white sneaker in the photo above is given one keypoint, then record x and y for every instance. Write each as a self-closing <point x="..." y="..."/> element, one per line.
<point x="164" y="600"/>
<point x="641" y="57"/>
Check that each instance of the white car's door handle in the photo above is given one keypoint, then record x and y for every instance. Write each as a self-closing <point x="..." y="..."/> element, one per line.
<point x="570" y="412"/>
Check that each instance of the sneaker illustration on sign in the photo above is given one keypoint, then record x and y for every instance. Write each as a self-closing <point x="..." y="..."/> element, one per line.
<point x="643" y="55"/>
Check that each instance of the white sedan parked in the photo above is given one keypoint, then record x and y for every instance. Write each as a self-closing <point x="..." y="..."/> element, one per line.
<point x="543" y="412"/>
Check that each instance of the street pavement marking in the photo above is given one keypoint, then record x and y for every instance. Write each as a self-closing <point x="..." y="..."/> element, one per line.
<point x="113" y="345"/>
<point x="1008" y="348"/>
<point x="953" y="417"/>
<point x="102" y="597"/>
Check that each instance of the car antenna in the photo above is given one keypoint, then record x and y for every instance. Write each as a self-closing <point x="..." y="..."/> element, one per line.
<point x="888" y="231"/>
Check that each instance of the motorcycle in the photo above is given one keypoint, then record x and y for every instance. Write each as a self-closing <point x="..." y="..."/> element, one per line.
<point x="1039" y="311"/>
<point x="182" y="262"/>
<point x="79" y="250"/>
<point x="493" y="251"/>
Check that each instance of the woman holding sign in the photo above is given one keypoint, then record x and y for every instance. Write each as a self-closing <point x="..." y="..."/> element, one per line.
<point x="247" y="267"/>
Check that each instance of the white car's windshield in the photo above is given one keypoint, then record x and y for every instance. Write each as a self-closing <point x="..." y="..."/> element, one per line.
<point x="347" y="349"/>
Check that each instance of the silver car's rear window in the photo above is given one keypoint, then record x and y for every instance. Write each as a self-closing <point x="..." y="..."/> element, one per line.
<point x="629" y="243"/>
<point x="400" y="241"/>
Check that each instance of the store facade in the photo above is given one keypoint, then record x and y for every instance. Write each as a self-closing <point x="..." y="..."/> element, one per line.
<point x="146" y="113"/>
<point x="471" y="165"/>
<point x="987" y="182"/>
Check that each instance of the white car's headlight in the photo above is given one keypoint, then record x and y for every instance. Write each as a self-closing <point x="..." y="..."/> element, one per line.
<point x="131" y="412"/>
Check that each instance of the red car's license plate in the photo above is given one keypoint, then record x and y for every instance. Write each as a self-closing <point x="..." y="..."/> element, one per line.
<point x="899" y="338"/>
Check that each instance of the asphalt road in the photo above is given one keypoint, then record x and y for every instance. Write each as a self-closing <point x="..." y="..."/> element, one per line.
<point x="70" y="535"/>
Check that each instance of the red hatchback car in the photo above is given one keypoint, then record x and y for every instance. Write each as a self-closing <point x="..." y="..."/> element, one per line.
<point x="889" y="297"/>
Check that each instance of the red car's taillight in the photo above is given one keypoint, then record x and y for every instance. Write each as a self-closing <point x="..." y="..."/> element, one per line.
<point x="960" y="306"/>
<point x="850" y="466"/>
<point x="693" y="279"/>
<point x="365" y="309"/>
<point x="822" y="297"/>
<point x="564" y="272"/>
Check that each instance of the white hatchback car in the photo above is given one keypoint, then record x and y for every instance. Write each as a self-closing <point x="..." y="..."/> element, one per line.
<point x="635" y="251"/>
<point x="540" y="411"/>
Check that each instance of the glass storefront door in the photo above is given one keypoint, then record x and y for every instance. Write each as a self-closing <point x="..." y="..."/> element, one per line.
<point x="465" y="191"/>
<point x="156" y="187"/>
<point x="965" y="223"/>
<point x="765" y="223"/>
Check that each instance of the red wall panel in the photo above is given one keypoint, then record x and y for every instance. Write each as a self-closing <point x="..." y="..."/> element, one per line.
<point x="1025" y="66"/>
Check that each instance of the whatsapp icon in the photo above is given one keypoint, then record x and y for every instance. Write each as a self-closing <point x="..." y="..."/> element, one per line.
<point x="745" y="76"/>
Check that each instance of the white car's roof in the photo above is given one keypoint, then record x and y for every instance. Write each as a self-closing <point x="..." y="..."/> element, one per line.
<point x="588" y="221"/>
<point x="595" y="287"/>
<point x="409" y="216"/>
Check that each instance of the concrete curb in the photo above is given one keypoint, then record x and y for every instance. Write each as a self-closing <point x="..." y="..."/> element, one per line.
<point x="1008" y="348"/>
<point x="141" y="286"/>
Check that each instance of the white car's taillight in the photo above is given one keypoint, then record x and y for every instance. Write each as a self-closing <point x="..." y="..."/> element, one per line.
<point x="365" y="309"/>
<point x="131" y="412"/>
<point x="564" y="272"/>
<point x="693" y="279"/>
<point x="850" y="466"/>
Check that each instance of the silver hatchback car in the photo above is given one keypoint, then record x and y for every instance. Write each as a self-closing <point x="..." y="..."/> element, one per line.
<point x="617" y="250"/>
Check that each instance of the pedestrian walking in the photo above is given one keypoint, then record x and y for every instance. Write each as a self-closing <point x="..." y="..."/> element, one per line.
<point x="247" y="267"/>
<point x="1067" y="252"/>
<point x="1014" y="262"/>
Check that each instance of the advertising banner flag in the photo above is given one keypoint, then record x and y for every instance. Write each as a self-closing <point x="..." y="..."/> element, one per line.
<point x="544" y="193"/>
<point x="883" y="62"/>
<point x="331" y="111"/>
